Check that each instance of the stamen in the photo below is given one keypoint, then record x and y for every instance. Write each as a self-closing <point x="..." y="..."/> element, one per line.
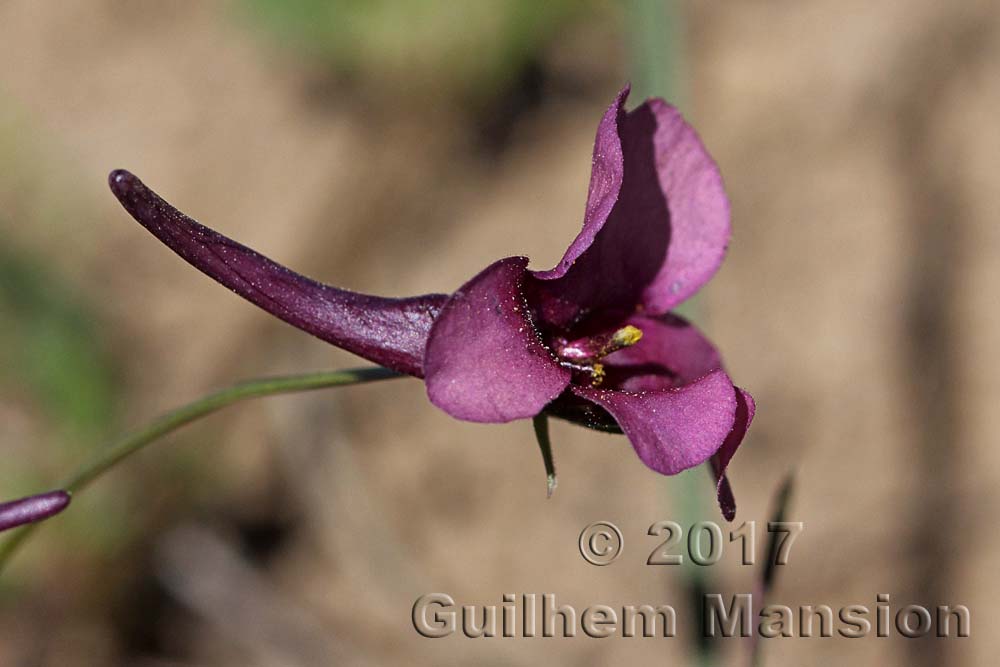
<point x="584" y="354"/>
<point x="593" y="348"/>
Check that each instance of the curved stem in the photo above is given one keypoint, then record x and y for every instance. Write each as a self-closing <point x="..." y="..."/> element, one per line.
<point x="110" y="456"/>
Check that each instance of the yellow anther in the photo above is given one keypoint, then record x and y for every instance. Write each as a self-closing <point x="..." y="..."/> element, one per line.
<point x="626" y="336"/>
<point x="597" y="375"/>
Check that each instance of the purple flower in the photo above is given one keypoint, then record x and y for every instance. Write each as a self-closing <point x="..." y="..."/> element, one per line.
<point x="34" y="508"/>
<point x="591" y="340"/>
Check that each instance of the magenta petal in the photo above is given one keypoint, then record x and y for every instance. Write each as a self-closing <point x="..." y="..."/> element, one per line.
<point x="34" y="508"/>
<point x="671" y="353"/>
<point x="674" y="429"/>
<point x="667" y="233"/>
<point x="699" y="209"/>
<point x="390" y="332"/>
<point x="745" y="409"/>
<point x="605" y="183"/>
<point x="484" y="360"/>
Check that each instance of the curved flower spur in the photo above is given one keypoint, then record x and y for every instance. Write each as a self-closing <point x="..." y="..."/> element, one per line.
<point x="591" y="340"/>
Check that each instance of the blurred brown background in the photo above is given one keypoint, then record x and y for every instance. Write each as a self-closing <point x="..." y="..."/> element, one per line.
<point x="397" y="148"/>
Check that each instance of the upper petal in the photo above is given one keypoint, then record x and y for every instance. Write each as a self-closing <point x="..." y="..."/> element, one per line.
<point x="667" y="232"/>
<point x="606" y="174"/>
<point x="673" y="429"/>
<point x="699" y="208"/>
<point x="484" y="360"/>
<point x="390" y="332"/>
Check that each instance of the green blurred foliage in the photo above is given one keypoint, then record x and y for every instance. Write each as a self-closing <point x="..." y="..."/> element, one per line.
<point x="51" y="348"/>
<point x="655" y="31"/>
<point x="466" y="48"/>
<point x="61" y="379"/>
<point x="56" y="362"/>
